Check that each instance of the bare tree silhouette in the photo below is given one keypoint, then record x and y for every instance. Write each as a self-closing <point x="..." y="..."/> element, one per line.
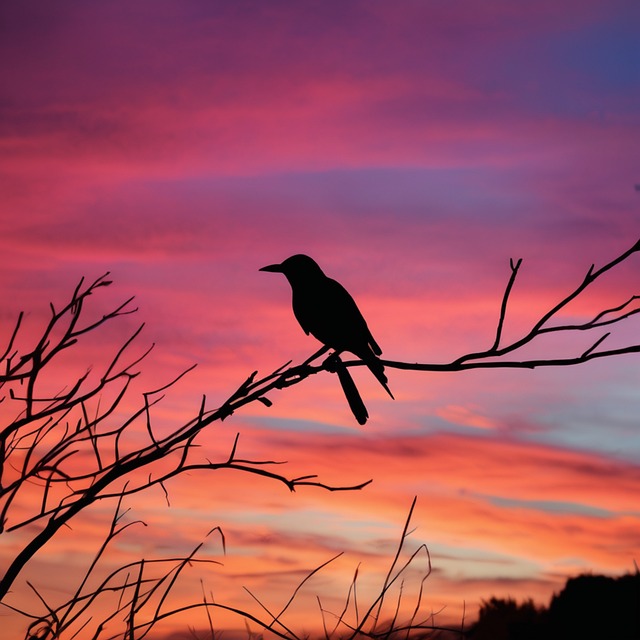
<point x="61" y="452"/>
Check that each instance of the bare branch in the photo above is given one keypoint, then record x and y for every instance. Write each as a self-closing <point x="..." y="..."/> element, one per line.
<point x="505" y="300"/>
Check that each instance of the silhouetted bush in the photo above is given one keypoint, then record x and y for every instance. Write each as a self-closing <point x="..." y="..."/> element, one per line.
<point x="593" y="606"/>
<point x="589" y="606"/>
<point x="507" y="620"/>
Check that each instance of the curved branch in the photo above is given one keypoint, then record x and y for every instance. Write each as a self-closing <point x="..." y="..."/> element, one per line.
<point x="491" y="358"/>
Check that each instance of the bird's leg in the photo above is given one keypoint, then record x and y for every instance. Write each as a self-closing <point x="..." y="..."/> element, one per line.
<point x="333" y="362"/>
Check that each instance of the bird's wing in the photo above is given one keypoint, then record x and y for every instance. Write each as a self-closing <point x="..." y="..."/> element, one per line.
<point x="353" y="318"/>
<point x="350" y="324"/>
<point x="304" y="309"/>
<point x="356" y="336"/>
<point x="375" y="347"/>
<point x="329" y="313"/>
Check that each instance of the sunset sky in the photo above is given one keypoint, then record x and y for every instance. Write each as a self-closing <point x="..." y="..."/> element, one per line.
<point x="412" y="148"/>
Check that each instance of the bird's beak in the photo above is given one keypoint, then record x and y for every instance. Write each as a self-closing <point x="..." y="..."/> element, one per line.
<point x="275" y="268"/>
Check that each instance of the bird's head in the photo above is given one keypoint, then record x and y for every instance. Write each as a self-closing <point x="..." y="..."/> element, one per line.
<point x="298" y="267"/>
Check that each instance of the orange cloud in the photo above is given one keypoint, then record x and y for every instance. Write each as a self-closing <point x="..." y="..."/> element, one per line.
<point x="466" y="416"/>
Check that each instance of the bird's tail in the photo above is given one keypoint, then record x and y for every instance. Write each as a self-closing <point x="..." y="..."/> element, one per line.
<point x="377" y="368"/>
<point x="350" y="391"/>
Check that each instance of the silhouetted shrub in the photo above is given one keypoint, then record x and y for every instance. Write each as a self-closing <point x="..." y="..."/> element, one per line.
<point x="593" y="606"/>
<point x="588" y="607"/>
<point x="507" y="620"/>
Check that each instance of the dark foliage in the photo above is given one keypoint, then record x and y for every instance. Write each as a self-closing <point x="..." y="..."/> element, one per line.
<point x="589" y="606"/>
<point x="597" y="607"/>
<point x="506" y="620"/>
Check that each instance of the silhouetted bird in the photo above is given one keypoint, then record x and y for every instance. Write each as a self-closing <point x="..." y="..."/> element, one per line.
<point x="324" y="309"/>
